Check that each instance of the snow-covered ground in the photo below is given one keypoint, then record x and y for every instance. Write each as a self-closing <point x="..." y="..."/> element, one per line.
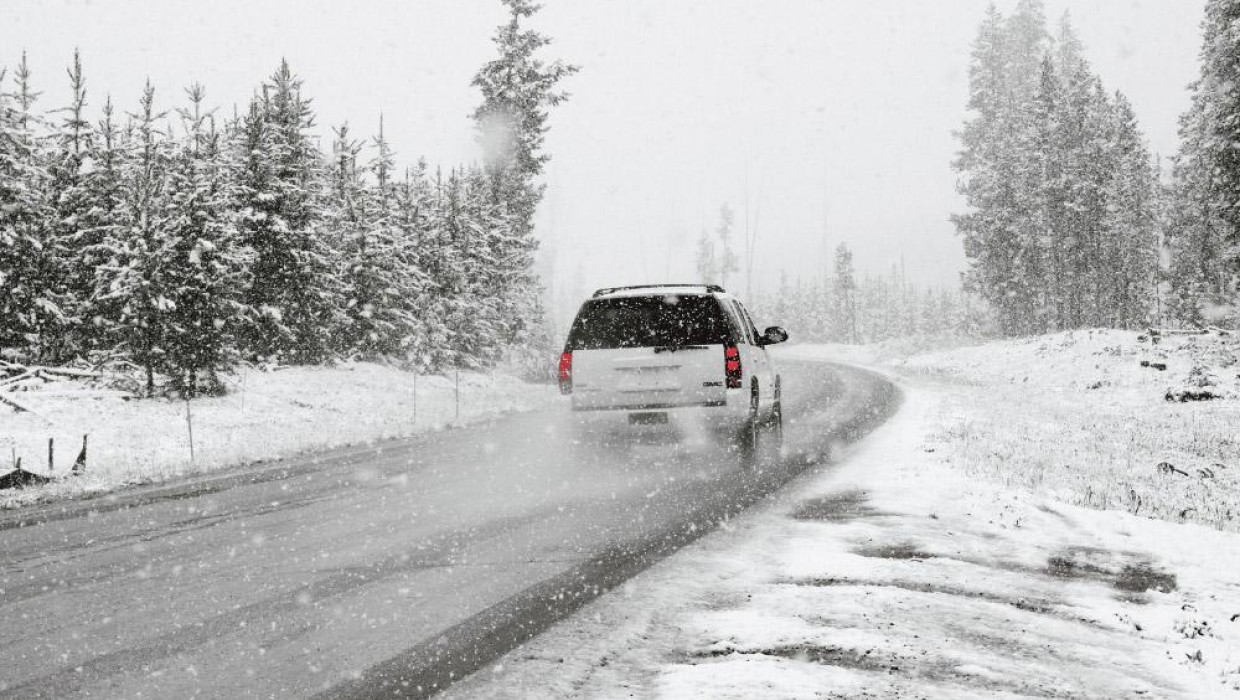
<point x="266" y="415"/>
<point x="913" y="569"/>
<point x="1085" y="417"/>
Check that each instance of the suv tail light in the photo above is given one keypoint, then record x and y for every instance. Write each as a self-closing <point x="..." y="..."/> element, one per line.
<point x="732" y="365"/>
<point x="566" y="373"/>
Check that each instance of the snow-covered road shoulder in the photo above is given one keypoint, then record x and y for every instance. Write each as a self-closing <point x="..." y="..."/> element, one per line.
<point x="265" y="416"/>
<point x="895" y="575"/>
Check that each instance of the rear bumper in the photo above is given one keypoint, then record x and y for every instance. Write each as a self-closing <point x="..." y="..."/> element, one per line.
<point x="650" y="406"/>
<point x="728" y="413"/>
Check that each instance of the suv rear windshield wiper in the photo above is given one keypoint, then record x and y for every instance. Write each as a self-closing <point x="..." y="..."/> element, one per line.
<point x="679" y="348"/>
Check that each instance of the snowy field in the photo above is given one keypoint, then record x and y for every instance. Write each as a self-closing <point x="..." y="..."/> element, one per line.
<point x="1094" y="418"/>
<point x="265" y="416"/>
<point x="916" y="569"/>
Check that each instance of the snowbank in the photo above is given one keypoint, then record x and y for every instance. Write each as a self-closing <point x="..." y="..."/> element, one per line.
<point x="265" y="416"/>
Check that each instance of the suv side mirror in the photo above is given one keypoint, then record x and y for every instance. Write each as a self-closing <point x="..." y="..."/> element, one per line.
<point x="773" y="335"/>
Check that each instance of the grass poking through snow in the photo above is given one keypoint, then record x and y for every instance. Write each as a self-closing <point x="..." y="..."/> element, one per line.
<point x="1091" y="418"/>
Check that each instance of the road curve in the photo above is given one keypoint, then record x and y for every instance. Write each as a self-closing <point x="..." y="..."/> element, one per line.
<point x="383" y="571"/>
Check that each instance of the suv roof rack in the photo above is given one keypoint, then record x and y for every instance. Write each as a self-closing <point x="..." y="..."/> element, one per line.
<point x="612" y="290"/>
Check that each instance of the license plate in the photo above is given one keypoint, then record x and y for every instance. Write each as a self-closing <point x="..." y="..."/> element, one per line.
<point x="647" y="418"/>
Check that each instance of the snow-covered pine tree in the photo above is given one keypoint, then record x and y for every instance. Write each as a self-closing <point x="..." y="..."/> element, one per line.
<point x="85" y="191"/>
<point x="69" y="167"/>
<point x="928" y="319"/>
<point x="1069" y="51"/>
<point x="1026" y="44"/>
<point x="1064" y="162"/>
<point x="412" y="219"/>
<point x="204" y="266"/>
<point x="481" y="240"/>
<point x="1022" y="206"/>
<point x="348" y="228"/>
<point x="1076" y="219"/>
<point x="439" y="261"/>
<point x="380" y="281"/>
<point x="1023" y="286"/>
<point x="132" y="281"/>
<point x="988" y="228"/>
<point x="1047" y="240"/>
<point x="1036" y="206"/>
<point x="1220" y="88"/>
<point x="518" y="89"/>
<point x="1129" y="226"/>
<point x="706" y="261"/>
<point x="396" y="252"/>
<point x="31" y="291"/>
<point x="1098" y="169"/>
<point x="727" y="260"/>
<point x="817" y="310"/>
<point x="1204" y="217"/>
<point x="507" y="272"/>
<point x="453" y="301"/>
<point x="1039" y="160"/>
<point x="844" y="288"/>
<point x="294" y="291"/>
<point x="102" y="224"/>
<point x="1195" y="231"/>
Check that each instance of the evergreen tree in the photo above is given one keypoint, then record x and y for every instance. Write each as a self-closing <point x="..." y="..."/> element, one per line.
<point x="294" y="290"/>
<point x="988" y="229"/>
<point x="1069" y="52"/>
<point x="31" y="315"/>
<point x="1057" y="181"/>
<point x="518" y="89"/>
<point x="845" y="293"/>
<point x="445" y="274"/>
<point x="395" y="256"/>
<point x="68" y="168"/>
<point x="1218" y="87"/>
<point x="412" y="218"/>
<point x="102" y="223"/>
<point x="380" y="280"/>
<point x="1025" y="47"/>
<point x="1204" y="219"/>
<point x="204" y="264"/>
<point x="1129" y="225"/>
<point x="133" y="281"/>
<point x="85" y="192"/>
<point x="184" y="252"/>
<point x="727" y="260"/>
<point x="705" y="260"/>
<point x="349" y="224"/>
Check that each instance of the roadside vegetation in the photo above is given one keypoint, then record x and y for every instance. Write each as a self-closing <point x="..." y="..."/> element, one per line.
<point x="175" y="241"/>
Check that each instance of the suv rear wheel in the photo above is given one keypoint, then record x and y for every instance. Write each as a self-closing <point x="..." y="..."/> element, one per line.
<point x="777" y="420"/>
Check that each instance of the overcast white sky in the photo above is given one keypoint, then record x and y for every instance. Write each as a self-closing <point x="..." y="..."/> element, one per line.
<point x="833" y="118"/>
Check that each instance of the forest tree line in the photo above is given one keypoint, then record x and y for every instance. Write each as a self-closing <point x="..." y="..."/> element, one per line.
<point x="1070" y="224"/>
<point x="182" y="242"/>
<point x="842" y="306"/>
<point x="838" y="305"/>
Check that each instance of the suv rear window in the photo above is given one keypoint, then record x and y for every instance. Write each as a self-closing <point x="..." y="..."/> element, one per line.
<point x="648" y="321"/>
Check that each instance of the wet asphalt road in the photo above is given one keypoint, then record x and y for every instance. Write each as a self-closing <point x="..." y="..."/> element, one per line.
<point x="382" y="571"/>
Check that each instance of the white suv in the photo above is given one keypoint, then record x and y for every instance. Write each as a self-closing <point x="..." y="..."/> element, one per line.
<point x="658" y="349"/>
